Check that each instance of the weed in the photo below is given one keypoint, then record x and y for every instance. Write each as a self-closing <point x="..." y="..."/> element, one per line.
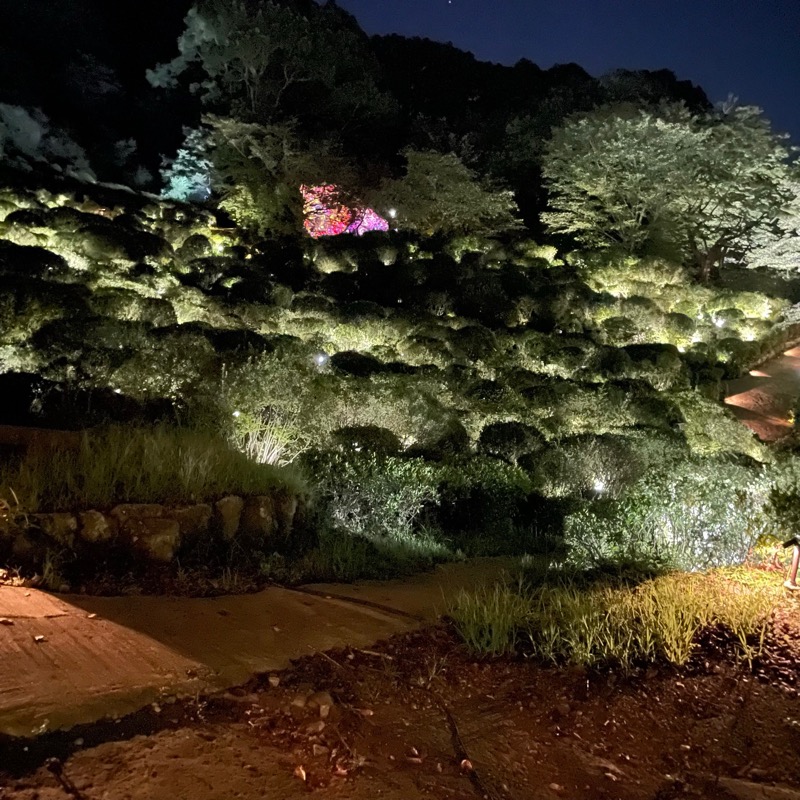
<point x="657" y="619"/>
<point x="118" y="464"/>
<point x="491" y="619"/>
<point x="52" y="577"/>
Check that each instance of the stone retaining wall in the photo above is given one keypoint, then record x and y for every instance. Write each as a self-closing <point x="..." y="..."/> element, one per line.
<point x="155" y="532"/>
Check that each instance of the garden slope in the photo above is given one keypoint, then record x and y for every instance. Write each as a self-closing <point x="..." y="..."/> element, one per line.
<point x="118" y="307"/>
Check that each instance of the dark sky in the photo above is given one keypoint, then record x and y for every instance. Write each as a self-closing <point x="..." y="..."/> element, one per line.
<point x="750" y="48"/>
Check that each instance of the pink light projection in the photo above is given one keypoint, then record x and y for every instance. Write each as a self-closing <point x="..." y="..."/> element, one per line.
<point x="326" y="214"/>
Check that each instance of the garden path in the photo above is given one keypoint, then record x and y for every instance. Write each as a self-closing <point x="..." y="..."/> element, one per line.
<point x="764" y="398"/>
<point x="71" y="659"/>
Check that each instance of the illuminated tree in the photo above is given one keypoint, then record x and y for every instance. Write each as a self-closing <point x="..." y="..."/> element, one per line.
<point x="187" y="177"/>
<point x="611" y="175"/>
<point x="326" y="213"/>
<point x="779" y="246"/>
<point x="259" y="169"/>
<point x="438" y="194"/>
<point x="701" y="186"/>
<point x="255" y="56"/>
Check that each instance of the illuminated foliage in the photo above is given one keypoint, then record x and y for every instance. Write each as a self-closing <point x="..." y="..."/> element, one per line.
<point x="698" y="514"/>
<point x="188" y="175"/>
<point x="439" y="193"/>
<point x="327" y="215"/>
<point x="257" y="170"/>
<point x="698" y="186"/>
<point x="779" y="246"/>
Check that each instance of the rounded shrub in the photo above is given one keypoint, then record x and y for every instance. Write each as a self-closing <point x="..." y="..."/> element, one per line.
<point x="367" y="438"/>
<point x="509" y="441"/>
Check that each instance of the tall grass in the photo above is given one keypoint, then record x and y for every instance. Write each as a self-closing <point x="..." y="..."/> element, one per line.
<point x="659" y="619"/>
<point x="119" y="465"/>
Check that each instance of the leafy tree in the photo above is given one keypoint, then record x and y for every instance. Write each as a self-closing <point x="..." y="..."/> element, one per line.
<point x="258" y="170"/>
<point x="778" y="247"/>
<point x="254" y="57"/>
<point x="736" y="186"/>
<point x="700" y="185"/>
<point x="610" y="175"/>
<point x="438" y="194"/>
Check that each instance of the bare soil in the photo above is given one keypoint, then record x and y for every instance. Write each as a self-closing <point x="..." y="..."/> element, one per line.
<point x="418" y="717"/>
<point x="764" y="399"/>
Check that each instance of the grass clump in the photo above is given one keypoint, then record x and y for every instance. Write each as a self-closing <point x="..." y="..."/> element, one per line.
<point x="658" y="620"/>
<point x="121" y="465"/>
<point x="491" y="620"/>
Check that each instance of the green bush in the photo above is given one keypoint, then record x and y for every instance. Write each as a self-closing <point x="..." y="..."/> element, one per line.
<point x="472" y="343"/>
<point x="509" y="440"/>
<point x="606" y="465"/>
<point x="489" y="507"/>
<point x="698" y="514"/>
<point x="377" y="497"/>
<point x="784" y="497"/>
<point x="711" y="429"/>
<point x="370" y="438"/>
<point x="171" y="364"/>
<point x="128" y="305"/>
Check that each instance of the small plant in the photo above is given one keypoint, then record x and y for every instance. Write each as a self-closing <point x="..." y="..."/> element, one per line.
<point x="374" y="496"/>
<point x="491" y="620"/>
<point x="52" y="577"/>
<point x="123" y="465"/>
<point x="272" y="437"/>
<point x="603" y="624"/>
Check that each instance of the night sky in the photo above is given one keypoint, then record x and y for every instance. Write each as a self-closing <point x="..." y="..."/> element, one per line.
<point x="750" y="48"/>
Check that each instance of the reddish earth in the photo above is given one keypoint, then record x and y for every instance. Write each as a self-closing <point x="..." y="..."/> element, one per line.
<point x="764" y="399"/>
<point x="418" y="717"/>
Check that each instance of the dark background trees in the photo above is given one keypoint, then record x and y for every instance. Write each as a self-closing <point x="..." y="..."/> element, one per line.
<point x="84" y="65"/>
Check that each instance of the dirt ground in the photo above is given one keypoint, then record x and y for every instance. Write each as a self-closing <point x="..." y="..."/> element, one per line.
<point x="765" y="397"/>
<point x="418" y="717"/>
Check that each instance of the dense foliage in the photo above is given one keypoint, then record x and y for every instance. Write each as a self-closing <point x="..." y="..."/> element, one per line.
<point x="667" y="181"/>
<point x="447" y="381"/>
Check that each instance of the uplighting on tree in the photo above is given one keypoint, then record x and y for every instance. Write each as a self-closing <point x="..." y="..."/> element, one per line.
<point x="327" y="215"/>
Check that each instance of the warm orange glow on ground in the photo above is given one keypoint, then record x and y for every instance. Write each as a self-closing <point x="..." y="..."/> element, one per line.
<point x="764" y="398"/>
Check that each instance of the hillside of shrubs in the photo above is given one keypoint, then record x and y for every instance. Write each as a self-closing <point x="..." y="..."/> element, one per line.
<point x="436" y="397"/>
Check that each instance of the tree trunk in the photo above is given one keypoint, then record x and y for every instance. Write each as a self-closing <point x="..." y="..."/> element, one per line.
<point x="707" y="261"/>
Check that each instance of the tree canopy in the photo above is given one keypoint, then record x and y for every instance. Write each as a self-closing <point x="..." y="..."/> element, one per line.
<point x="778" y="246"/>
<point x="259" y="169"/>
<point x="439" y="194"/>
<point x="263" y="61"/>
<point x="700" y="186"/>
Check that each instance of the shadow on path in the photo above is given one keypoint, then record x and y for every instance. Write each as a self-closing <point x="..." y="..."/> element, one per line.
<point x="74" y="659"/>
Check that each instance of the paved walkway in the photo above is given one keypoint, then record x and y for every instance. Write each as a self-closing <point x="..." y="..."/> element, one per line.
<point x="763" y="399"/>
<point x="72" y="659"/>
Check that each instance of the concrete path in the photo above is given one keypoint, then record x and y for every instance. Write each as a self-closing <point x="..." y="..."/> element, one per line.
<point x="73" y="659"/>
<point x="764" y="399"/>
